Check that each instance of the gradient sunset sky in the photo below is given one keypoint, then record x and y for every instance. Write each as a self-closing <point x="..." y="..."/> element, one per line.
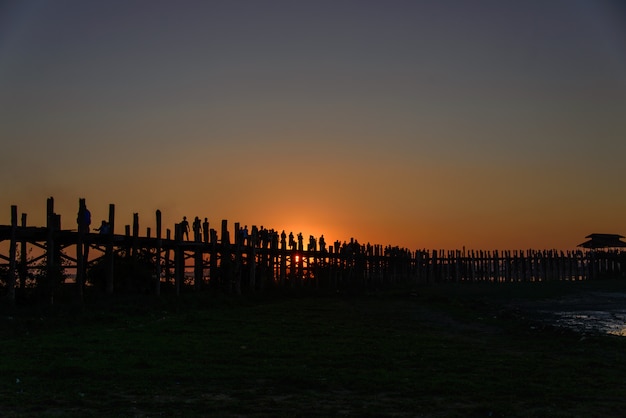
<point x="488" y="124"/>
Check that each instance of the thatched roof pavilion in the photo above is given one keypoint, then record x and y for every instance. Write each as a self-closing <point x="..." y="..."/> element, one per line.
<point x="603" y="241"/>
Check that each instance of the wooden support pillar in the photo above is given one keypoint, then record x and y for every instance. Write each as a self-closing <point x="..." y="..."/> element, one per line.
<point x="254" y="244"/>
<point x="457" y="266"/>
<point x="179" y="258"/>
<point x="263" y="245"/>
<point x="168" y="270"/>
<point x="198" y="258"/>
<point x="300" y="263"/>
<point x="496" y="267"/>
<point x="12" y="255"/>
<point x="134" y="251"/>
<point x="237" y="269"/>
<point x="110" y="256"/>
<point x="23" y="270"/>
<point x="80" y="251"/>
<point x="53" y="224"/>
<point x="273" y="261"/>
<point x="283" y="258"/>
<point x="135" y="247"/>
<point x="417" y="261"/>
<point x="159" y="244"/>
<point x="226" y="264"/>
<point x="213" y="270"/>
<point x="225" y="235"/>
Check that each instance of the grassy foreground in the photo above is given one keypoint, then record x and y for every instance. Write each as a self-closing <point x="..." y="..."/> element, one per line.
<point x="437" y="351"/>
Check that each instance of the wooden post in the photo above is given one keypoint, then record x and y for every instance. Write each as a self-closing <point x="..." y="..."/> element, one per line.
<point x="159" y="244"/>
<point x="168" y="270"/>
<point x="80" y="259"/>
<point x="300" y="269"/>
<point x="23" y="267"/>
<point x="134" y="252"/>
<point x="237" y="269"/>
<point x="254" y="243"/>
<point x="263" y="243"/>
<point x="417" y="261"/>
<point x="198" y="261"/>
<point x="179" y="258"/>
<point x="568" y="266"/>
<point x="225" y="235"/>
<point x="226" y="267"/>
<point x="51" y="258"/>
<point x="110" y="255"/>
<point x="283" y="258"/>
<point x="12" y="255"/>
<point x="214" y="278"/>
<point x="135" y="236"/>
<point x="483" y="265"/>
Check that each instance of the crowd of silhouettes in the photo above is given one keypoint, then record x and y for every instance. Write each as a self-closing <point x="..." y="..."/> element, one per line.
<point x="259" y="237"/>
<point x="265" y="238"/>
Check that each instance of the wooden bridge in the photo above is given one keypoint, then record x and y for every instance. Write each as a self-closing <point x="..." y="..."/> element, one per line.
<point x="256" y="261"/>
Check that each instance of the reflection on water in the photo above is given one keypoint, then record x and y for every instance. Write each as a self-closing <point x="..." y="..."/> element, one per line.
<point x="594" y="312"/>
<point x="609" y="322"/>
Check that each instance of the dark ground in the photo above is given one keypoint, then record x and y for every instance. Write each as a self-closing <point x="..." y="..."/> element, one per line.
<point x="448" y="350"/>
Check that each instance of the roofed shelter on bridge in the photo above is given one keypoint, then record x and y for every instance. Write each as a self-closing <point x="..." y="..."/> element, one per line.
<point x="596" y="241"/>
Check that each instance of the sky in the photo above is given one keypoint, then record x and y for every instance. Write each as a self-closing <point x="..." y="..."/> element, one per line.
<point x="484" y="124"/>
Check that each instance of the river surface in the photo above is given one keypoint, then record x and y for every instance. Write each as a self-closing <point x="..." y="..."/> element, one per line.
<point x="588" y="313"/>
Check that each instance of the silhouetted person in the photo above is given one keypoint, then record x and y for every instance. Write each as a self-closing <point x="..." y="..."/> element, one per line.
<point x="312" y="243"/>
<point x="103" y="228"/>
<point x="322" y="243"/>
<point x="205" y="229"/>
<point x="184" y="227"/>
<point x="84" y="217"/>
<point x="197" y="229"/>
<point x="243" y="235"/>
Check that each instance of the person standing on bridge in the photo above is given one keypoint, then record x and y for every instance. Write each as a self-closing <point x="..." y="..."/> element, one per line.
<point x="197" y="229"/>
<point x="184" y="227"/>
<point x="205" y="230"/>
<point x="84" y="217"/>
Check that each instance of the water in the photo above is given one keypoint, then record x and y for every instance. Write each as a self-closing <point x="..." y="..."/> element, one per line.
<point x="593" y="313"/>
<point x="593" y="321"/>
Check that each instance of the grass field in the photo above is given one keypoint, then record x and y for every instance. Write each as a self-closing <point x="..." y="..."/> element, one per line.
<point x="429" y="351"/>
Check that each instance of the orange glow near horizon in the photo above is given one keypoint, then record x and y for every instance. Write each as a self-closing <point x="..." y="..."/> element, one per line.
<point x="480" y="231"/>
